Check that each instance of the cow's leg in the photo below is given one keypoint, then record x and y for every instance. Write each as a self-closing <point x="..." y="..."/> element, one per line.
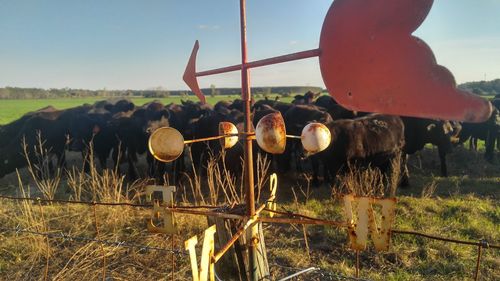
<point x="490" y="146"/>
<point x="102" y="160"/>
<point x="283" y="160"/>
<point x="61" y="160"/>
<point x="405" y="174"/>
<point x="180" y="167"/>
<point x="116" y="156"/>
<point x="326" y="173"/>
<point x="315" y="170"/>
<point x="132" y="169"/>
<point x="334" y="169"/>
<point x="160" y="169"/>
<point x="474" y="143"/>
<point x="442" y="159"/>
<point x="298" y="157"/>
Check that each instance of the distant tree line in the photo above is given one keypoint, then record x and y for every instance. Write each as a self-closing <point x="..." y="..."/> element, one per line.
<point x="38" y="93"/>
<point x="483" y="88"/>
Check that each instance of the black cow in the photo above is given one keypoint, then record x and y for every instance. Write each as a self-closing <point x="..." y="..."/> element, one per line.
<point x="476" y="131"/>
<point x="282" y="107"/>
<point x="419" y="132"/>
<point x="46" y="126"/>
<point x="8" y="131"/>
<point x="92" y="127"/>
<point x="489" y="131"/>
<point x="373" y="140"/>
<point x="296" y="118"/>
<point x="132" y="133"/>
<point x="334" y="109"/>
<point x="307" y="98"/>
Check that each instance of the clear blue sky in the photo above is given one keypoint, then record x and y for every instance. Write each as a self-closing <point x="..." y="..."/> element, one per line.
<point x="142" y="44"/>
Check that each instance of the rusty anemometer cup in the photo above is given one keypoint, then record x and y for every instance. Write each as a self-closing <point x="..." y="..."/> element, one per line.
<point x="167" y="144"/>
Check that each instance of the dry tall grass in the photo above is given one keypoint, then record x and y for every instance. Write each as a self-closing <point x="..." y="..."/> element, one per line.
<point x="38" y="257"/>
<point x="369" y="181"/>
<point x="40" y="167"/>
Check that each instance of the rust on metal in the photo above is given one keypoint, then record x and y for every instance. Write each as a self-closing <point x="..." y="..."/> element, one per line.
<point x="361" y="220"/>
<point x="233" y="239"/>
<point x="225" y="129"/>
<point x="160" y="209"/>
<point x="166" y="144"/>
<point x="315" y="137"/>
<point x="190" y="74"/>
<point x="263" y="62"/>
<point x="478" y="262"/>
<point x="270" y="133"/>
<point x="370" y="62"/>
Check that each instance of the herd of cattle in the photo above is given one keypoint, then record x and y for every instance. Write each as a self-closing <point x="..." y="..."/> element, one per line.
<point x="121" y="129"/>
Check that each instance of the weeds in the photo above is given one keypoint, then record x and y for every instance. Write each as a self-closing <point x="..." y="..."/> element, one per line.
<point x="41" y="170"/>
<point x="428" y="190"/>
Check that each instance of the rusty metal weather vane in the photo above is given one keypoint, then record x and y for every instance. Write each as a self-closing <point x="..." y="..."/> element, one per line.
<point x="369" y="62"/>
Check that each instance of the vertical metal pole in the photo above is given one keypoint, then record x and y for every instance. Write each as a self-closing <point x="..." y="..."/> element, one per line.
<point x="249" y="184"/>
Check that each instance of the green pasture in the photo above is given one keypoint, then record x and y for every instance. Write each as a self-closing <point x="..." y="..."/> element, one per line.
<point x="11" y="110"/>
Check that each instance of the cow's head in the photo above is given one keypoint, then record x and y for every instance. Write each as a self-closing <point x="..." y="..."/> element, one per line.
<point x="156" y="120"/>
<point x="444" y="133"/>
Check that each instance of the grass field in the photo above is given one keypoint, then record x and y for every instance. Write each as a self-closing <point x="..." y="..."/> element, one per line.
<point x="11" y="110"/>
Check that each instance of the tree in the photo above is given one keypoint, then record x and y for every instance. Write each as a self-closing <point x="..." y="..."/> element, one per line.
<point x="213" y="90"/>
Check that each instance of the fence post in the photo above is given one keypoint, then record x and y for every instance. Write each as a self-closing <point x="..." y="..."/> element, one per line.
<point x="234" y="264"/>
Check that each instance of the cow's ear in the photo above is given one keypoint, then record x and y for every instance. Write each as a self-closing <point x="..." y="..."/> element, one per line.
<point x="96" y="129"/>
<point x="430" y="127"/>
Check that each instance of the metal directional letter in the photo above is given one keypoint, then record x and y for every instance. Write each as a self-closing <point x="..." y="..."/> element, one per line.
<point x="364" y="222"/>
<point x="160" y="210"/>
<point x="206" y="265"/>
<point x="273" y="186"/>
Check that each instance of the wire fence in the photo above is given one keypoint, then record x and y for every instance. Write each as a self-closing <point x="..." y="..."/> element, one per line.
<point x="66" y="237"/>
<point x="218" y="211"/>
